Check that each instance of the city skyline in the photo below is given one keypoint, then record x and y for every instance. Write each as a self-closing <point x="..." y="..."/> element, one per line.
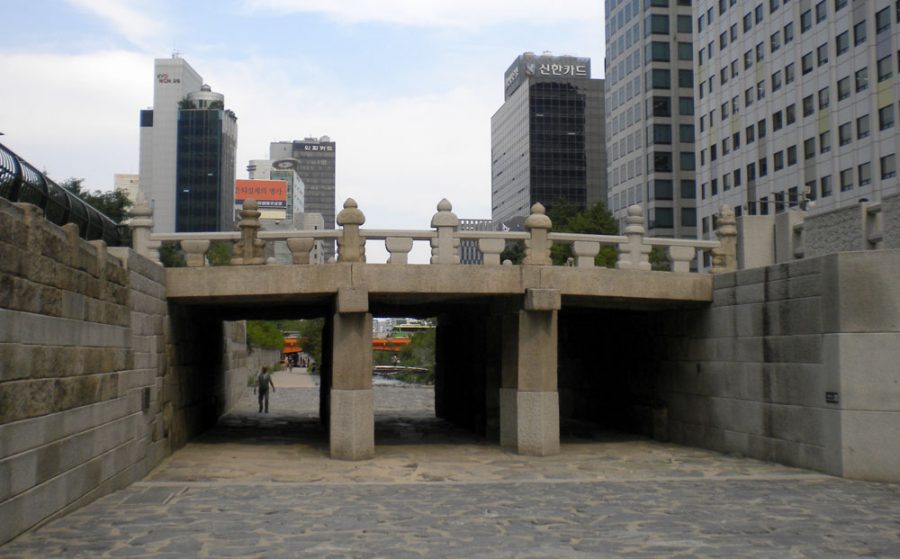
<point x="407" y="90"/>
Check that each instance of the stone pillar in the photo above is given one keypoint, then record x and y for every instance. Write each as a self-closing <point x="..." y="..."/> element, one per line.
<point x="352" y="415"/>
<point x="445" y="247"/>
<point x="537" y="247"/>
<point x="634" y="254"/>
<point x="250" y="250"/>
<point x="351" y="245"/>
<point x="529" y="398"/>
<point x="725" y="257"/>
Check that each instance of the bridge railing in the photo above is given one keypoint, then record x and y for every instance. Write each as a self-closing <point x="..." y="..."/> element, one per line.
<point x="633" y="248"/>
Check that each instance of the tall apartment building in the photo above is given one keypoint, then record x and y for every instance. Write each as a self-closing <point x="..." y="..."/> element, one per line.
<point x="650" y="113"/>
<point x="316" y="166"/>
<point x="797" y="101"/>
<point x="188" y="146"/>
<point x="547" y="139"/>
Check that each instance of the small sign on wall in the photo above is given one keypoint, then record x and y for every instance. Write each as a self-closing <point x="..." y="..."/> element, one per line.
<point x="832" y="398"/>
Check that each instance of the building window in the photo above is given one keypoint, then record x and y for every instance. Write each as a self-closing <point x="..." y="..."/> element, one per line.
<point x="761" y="128"/>
<point x="842" y="42"/>
<point x="883" y="20"/>
<point x="806" y="63"/>
<point x="775" y="41"/>
<point x="809" y="148"/>
<point x="662" y="134"/>
<point x="805" y="21"/>
<point x="822" y="54"/>
<point x="838" y="4"/>
<point x="885" y="68"/>
<point x="662" y="162"/>
<point x="789" y="73"/>
<point x="661" y="217"/>
<point x="751" y="171"/>
<point x="688" y="189"/>
<point x="737" y="177"/>
<point x="688" y="217"/>
<point x="748" y="59"/>
<point x="714" y="187"/>
<point x="776" y="80"/>
<point x="685" y="51"/>
<point x="683" y="24"/>
<point x="685" y="105"/>
<point x="778" y="160"/>
<point x="686" y="78"/>
<point x="809" y="105"/>
<point x="825" y="186"/>
<point x="660" y="79"/>
<point x="790" y="113"/>
<point x="659" y="24"/>
<point x="748" y="22"/>
<point x="736" y="140"/>
<point x="846" y="180"/>
<point x="723" y="40"/>
<point x="662" y="189"/>
<point x="821" y="12"/>
<point x="777" y="121"/>
<point x="760" y="52"/>
<point x="724" y="111"/>
<point x="843" y="88"/>
<point x="823" y="98"/>
<point x="789" y="32"/>
<point x="750" y="134"/>
<point x="886" y="117"/>
<point x="758" y="13"/>
<point x="662" y="106"/>
<point x="862" y="127"/>
<point x="888" y="167"/>
<point x="825" y="142"/>
<point x="862" y="79"/>
<point x="792" y="155"/>
<point x="687" y="161"/>
<point x="748" y="97"/>
<point x="865" y="174"/>
<point x="726" y="182"/>
<point x="658" y="51"/>
<point x="763" y="167"/>
<point x="686" y="133"/>
<point x="760" y="90"/>
<point x="845" y="135"/>
<point x="859" y="33"/>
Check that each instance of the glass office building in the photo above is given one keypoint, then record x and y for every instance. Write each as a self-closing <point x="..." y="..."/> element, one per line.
<point x="547" y="139"/>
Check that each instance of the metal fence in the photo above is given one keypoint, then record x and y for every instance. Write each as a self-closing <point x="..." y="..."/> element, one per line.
<point x="21" y="182"/>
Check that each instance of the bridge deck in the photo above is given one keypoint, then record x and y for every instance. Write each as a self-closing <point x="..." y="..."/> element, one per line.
<point x="421" y="283"/>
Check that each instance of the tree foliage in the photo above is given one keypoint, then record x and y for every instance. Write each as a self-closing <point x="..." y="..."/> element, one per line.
<point x="219" y="253"/>
<point x="264" y="334"/>
<point x="171" y="255"/>
<point x="595" y="220"/>
<point x="114" y="204"/>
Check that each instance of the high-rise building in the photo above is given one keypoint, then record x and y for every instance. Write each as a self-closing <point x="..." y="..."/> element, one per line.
<point x="187" y="153"/>
<point x="650" y="113"/>
<point x="469" y="253"/>
<point x="314" y="162"/>
<point x="547" y="139"/>
<point x="796" y="101"/>
<point x="127" y="184"/>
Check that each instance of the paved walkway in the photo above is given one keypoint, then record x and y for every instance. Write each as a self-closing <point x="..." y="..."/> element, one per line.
<point x="262" y="486"/>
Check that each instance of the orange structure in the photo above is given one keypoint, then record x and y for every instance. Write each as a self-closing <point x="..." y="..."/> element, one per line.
<point x="389" y="344"/>
<point x="291" y="345"/>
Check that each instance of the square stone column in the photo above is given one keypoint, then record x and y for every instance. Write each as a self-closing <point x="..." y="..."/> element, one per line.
<point x="351" y="414"/>
<point x="529" y="399"/>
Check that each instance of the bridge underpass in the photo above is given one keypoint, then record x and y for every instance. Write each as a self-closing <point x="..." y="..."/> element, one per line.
<point x="586" y="369"/>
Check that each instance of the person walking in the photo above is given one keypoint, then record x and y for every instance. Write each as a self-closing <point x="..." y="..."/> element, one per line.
<point x="263" y="382"/>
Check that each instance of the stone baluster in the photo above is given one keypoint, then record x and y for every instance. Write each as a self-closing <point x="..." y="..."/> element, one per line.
<point x="300" y="249"/>
<point x="537" y="247"/>
<point x="142" y="227"/>
<point x="585" y="252"/>
<point x="250" y="249"/>
<point x="724" y="258"/>
<point x="681" y="258"/>
<point x="491" y="250"/>
<point x="195" y="252"/>
<point x="445" y="247"/>
<point x="634" y="254"/>
<point x="351" y="245"/>
<point x="399" y="249"/>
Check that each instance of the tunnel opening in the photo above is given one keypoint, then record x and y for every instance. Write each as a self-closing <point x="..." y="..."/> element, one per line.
<point x="608" y="371"/>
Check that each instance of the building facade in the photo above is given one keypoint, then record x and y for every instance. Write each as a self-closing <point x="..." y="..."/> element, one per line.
<point x="650" y="127"/>
<point x="315" y="164"/>
<point x="188" y="145"/>
<point x="469" y="253"/>
<point x="547" y="139"/>
<point x="796" y="103"/>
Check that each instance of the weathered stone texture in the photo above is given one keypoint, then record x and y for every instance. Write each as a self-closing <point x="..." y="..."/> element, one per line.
<point x="835" y="231"/>
<point x="891" y="221"/>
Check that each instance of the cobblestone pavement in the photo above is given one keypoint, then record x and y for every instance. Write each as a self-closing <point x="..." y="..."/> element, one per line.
<point x="262" y="486"/>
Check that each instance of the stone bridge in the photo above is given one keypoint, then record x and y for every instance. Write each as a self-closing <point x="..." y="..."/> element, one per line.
<point x="520" y="302"/>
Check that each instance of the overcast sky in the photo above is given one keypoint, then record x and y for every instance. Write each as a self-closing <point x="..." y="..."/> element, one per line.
<point x="405" y="87"/>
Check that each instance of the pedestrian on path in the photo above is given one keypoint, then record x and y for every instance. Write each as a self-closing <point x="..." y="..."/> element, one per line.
<point x="263" y="382"/>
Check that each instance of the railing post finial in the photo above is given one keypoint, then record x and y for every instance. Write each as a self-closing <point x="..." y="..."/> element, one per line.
<point x="141" y="227"/>
<point x="351" y="245"/>
<point x="634" y="254"/>
<point x="537" y="248"/>
<point x="724" y="258"/>
<point x="250" y="249"/>
<point x="445" y="247"/>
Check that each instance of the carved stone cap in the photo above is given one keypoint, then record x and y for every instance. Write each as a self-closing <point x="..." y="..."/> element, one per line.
<point x="538" y="218"/>
<point x="444" y="216"/>
<point x="351" y="214"/>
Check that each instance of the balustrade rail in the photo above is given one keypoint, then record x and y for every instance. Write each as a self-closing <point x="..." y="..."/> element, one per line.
<point x="633" y="248"/>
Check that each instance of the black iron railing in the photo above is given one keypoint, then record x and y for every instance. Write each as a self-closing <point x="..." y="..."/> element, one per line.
<point x="21" y="182"/>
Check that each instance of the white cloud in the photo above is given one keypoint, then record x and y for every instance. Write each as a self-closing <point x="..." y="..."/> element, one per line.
<point x="441" y="13"/>
<point x="76" y="115"/>
<point x="129" y="19"/>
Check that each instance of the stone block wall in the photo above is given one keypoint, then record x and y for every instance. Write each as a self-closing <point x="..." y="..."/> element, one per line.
<point x="891" y="221"/>
<point x="794" y="363"/>
<point x="90" y="397"/>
